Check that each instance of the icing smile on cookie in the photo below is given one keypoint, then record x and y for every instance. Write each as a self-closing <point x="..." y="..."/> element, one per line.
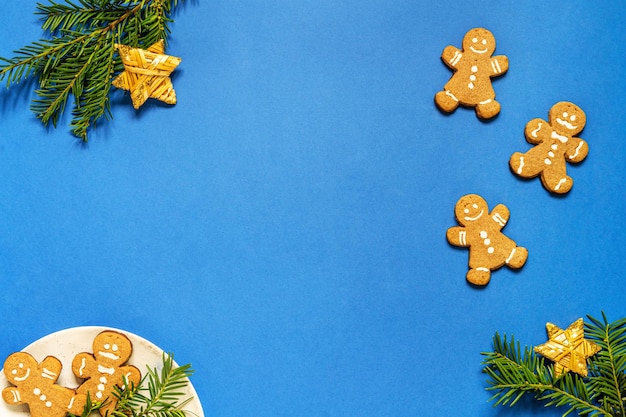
<point x="109" y="355"/>
<point x="478" y="51"/>
<point x="471" y="219"/>
<point x="21" y="378"/>
<point x="566" y="123"/>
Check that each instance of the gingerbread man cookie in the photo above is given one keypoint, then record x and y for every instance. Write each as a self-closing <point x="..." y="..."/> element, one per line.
<point x="35" y="385"/>
<point x="480" y="230"/>
<point x="555" y="144"/>
<point x="105" y="369"/>
<point x="473" y="67"/>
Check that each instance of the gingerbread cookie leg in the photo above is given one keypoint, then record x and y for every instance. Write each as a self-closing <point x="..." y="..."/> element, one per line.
<point x="517" y="258"/>
<point x="527" y="165"/>
<point x="446" y="101"/>
<point x="479" y="276"/>
<point x="559" y="184"/>
<point x="487" y="109"/>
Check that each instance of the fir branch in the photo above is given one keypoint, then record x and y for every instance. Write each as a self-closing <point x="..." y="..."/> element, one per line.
<point x="95" y="103"/>
<point x="514" y="373"/>
<point x="84" y="16"/>
<point x="78" y="58"/>
<point x="162" y="396"/>
<point x="608" y="366"/>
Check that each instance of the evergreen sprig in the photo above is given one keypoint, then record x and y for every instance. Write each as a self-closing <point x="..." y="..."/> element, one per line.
<point x="78" y="57"/>
<point x="514" y="372"/>
<point x="90" y="407"/>
<point x="162" y="397"/>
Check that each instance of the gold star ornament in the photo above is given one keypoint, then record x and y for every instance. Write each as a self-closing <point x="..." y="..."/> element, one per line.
<point x="568" y="348"/>
<point x="147" y="73"/>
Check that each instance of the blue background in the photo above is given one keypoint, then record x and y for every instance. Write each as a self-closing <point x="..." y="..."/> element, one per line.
<point x="283" y="226"/>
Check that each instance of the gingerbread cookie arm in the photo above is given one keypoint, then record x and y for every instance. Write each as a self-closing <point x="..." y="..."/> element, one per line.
<point x="500" y="214"/>
<point x="131" y="375"/>
<point x="499" y="65"/>
<point x="77" y="404"/>
<point x="12" y="395"/>
<point x="577" y="150"/>
<point x="84" y="365"/>
<point x="50" y="368"/>
<point x="537" y="130"/>
<point x="451" y="56"/>
<point x="457" y="236"/>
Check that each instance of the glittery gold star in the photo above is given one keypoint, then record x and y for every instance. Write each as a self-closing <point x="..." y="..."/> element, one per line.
<point x="146" y="73"/>
<point x="568" y="348"/>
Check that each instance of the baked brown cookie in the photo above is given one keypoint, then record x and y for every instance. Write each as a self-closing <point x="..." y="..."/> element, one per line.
<point x="480" y="231"/>
<point x="35" y="385"/>
<point x="473" y="67"/>
<point x="105" y="368"/>
<point x="555" y="144"/>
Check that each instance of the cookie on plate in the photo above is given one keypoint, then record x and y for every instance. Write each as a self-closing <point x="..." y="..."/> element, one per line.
<point x="105" y="368"/>
<point x="35" y="385"/>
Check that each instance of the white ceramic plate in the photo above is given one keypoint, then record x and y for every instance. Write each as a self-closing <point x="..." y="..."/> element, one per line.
<point x="65" y="344"/>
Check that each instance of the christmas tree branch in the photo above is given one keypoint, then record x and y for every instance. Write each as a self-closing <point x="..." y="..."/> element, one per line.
<point x="162" y="397"/>
<point x="608" y="366"/>
<point x="79" y="58"/>
<point x="514" y="372"/>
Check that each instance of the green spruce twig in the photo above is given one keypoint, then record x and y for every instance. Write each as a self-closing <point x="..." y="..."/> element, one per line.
<point x="162" y="397"/>
<point x="514" y="372"/>
<point x="78" y="57"/>
<point x="608" y="366"/>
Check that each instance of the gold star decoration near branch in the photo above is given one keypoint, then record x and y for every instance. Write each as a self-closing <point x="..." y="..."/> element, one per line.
<point x="568" y="348"/>
<point x="147" y="73"/>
